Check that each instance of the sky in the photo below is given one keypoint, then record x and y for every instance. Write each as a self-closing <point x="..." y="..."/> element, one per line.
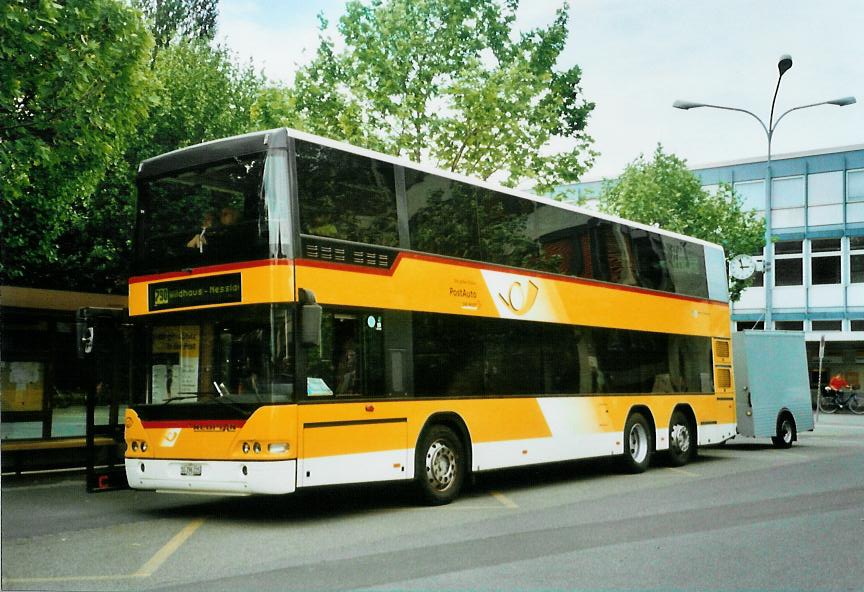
<point x="638" y="57"/>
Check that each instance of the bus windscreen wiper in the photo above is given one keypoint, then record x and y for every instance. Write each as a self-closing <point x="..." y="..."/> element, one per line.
<point x="180" y="398"/>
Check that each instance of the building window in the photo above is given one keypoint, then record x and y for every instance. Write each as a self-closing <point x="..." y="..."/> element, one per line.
<point x="750" y="326"/>
<point x="855" y="185"/>
<point x="825" y="261"/>
<point x="827" y="325"/>
<point x="789" y="325"/>
<point x="825" y="188"/>
<point x="857" y="325"/>
<point x="752" y="195"/>
<point x="788" y="265"/>
<point x="856" y="259"/>
<point x="787" y="192"/>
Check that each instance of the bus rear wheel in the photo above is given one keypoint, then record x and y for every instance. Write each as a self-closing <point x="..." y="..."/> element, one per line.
<point x="682" y="440"/>
<point x="637" y="443"/>
<point x="439" y="466"/>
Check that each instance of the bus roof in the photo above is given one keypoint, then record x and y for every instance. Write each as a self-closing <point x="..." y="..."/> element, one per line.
<point x="278" y="138"/>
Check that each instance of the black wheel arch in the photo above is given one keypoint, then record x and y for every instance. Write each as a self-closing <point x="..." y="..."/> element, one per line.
<point x="455" y="422"/>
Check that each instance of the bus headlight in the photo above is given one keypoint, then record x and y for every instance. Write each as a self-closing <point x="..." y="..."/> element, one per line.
<point x="277" y="448"/>
<point x="143" y="446"/>
<point x="256" y="447"/>
<point x="134" y="445"/>
<point x="245" y="447"/>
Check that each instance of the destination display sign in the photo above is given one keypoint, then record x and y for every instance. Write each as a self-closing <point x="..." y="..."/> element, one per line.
<point x="217" y="289"/>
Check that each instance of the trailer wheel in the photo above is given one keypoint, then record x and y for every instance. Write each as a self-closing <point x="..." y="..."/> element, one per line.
<point x="785" y="431"/>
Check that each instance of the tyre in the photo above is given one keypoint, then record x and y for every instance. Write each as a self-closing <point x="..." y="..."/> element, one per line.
<point x="856" y="404"/>
<point x="827" y="403"/>
<point x="637" y="443"/>
<point x="682" y="440"/>
<point x="785" y="432"/>
<point x="439" y="466"/>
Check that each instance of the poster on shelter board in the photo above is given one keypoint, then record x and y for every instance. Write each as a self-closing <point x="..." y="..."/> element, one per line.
<point x="175" y="361"/>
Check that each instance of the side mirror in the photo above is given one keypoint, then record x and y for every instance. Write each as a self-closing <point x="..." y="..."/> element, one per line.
<point x="86" y="321"/>
<point x="310" y="319"/>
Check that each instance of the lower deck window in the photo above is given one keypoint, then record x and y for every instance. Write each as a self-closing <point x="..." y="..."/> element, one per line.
<point x="390" y="353"/>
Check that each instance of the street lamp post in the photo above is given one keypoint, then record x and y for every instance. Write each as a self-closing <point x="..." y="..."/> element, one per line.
<point x="783" y="65"/>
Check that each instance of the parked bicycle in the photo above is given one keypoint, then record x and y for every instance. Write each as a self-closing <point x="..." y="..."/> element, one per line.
<point x="830" y="400"/>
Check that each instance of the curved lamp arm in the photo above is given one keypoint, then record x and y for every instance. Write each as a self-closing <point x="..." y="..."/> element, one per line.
<point x="839" y="102"/>
<point x="688" y="105"/>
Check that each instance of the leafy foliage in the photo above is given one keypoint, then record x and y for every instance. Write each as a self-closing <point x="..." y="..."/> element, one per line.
<point x="665" y="193"/>
<point x="199" y="93"/>
<point x="172" y="21"/>
<point x="74" y="84"/>
<point x="202" y="94"/>
<point x="446" y="81"/>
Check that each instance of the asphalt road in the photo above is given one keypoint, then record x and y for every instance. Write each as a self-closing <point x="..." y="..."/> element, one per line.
<point x="741" y="517"/>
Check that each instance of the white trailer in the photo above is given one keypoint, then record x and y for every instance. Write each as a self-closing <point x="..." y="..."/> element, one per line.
<point x="771" y="385"/>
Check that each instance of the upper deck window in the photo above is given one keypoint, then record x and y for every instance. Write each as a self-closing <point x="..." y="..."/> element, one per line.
<point x="203" y="216"/>
<point x="346" y="196"/>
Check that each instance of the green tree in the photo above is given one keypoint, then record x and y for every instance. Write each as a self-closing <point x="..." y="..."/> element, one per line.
<point x="663" y="192"/>
<point x="447" y="81"/>
<point x="74" y="84"/>
<point x="202" y="94"/>
<point x="172" y="21"/>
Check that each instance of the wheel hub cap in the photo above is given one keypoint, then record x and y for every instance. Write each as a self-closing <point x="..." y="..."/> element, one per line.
<point x="638" y="443"/>
<point x="681" y="437"/>
<point x="440" y="465"/>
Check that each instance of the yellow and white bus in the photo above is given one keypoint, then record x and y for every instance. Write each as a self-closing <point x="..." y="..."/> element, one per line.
<point x="312" y="313"/>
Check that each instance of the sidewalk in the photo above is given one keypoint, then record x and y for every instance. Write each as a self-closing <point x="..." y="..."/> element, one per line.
<point x="844" y="418"/>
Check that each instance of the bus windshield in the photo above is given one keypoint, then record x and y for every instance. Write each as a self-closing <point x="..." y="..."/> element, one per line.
<point x="242" y="354"/>
<point x="206" y="215"/>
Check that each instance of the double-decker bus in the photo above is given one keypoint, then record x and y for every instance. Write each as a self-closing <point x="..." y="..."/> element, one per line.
<point x="313" y="313"/>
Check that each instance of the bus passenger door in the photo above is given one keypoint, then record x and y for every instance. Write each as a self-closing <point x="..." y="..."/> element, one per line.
<point x="350" y="432"/>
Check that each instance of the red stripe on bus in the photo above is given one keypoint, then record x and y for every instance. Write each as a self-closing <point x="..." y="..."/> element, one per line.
<point x="208" y="269"/>
<point x="304" y="262"/>
<point x="497" y="268"/>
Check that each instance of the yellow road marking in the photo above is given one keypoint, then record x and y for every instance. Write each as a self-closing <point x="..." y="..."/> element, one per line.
<point x="146" y="570"/>
<point x="170" y="547"/>
<point x="504" y="500"/>
<point x="71" y="579"/>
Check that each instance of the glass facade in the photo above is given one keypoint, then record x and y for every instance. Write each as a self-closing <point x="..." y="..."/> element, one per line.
<point x="818" y="226"/>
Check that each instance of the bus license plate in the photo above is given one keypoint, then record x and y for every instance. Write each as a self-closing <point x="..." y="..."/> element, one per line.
<point x="190" y="470"/>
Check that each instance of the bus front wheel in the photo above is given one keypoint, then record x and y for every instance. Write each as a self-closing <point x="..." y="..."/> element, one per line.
<point x="439" y="468"/>
<point x="637" y="443"/>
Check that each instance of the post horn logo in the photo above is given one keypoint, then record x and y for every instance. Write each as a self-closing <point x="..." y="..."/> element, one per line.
<point x="520" y="299"/>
